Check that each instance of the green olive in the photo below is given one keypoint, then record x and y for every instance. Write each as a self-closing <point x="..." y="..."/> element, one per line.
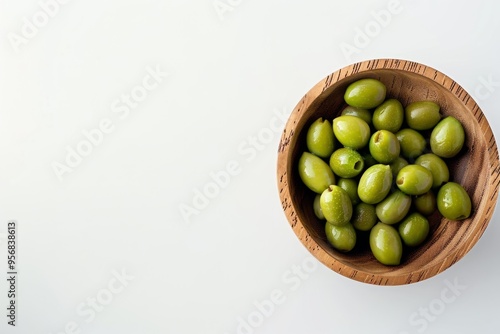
<point x="453" y="202"/>
<point x="385" y="244"/>
<point x="351" y="131"/>
<point x="414" y="180"/>
<point x="422" y="115"/>
<point x="393" y="208"/>
<point x="412" y="143"/>
<point x="336" y="205"/>
<point x="365" y="93"/>
<point x="384" y="146"/>
<point x="346" y="162"/>
<point x="317" y="207"/>
<point x="396" y="166"/>
<point x="447" y="137"/>
<point x="436" y="165"/>
<point x="315" y="173"/>
<point x="320" y="138"/>
<point x="364" y="114"/>
<point x="414" y="229"/>
<point x="351" y="187"/>
<point x="388" y="116"/>
<point x="426" y="203"/>
<point x="375" y="183"/>
<point x="342" y="238"/>
<point x="364" y="216"/>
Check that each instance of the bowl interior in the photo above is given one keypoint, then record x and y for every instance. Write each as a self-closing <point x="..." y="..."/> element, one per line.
<point x="448" y="240"/>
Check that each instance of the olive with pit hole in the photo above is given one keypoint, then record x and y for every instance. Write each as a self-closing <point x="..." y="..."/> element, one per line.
<point x="384" y="146"/>
<point x="414" y="180"/>
<point x="346" y="162"/>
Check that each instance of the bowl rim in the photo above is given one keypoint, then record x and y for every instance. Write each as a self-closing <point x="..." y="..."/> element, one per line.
<point x="284" y="170"/>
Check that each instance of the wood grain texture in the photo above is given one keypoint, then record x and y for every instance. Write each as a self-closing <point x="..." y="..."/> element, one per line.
<point x="477" y="169"/>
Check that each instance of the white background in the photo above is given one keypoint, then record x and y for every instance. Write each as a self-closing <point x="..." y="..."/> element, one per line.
<point x="229" y="75"/>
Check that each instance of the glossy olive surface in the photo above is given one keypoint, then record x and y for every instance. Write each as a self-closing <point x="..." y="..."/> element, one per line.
<point x="447" y="137"/>
<point x="414" y="229"/>
<point x="414" y="180"/>
<point x="375" y="183"/>
<point x="365" y="93"/>
<point x="388" y="116"/>
<point x="336" y="205"/>
<point x="385" y="244"/>
<point x="351" y="131"/>
<point x="422" y="115"/>
<point x="342" y="238"/>
<point x="393" y="208"/>
<point x="315" y="173"/>
<point x="320" y="139"/>
<point x="453" y="202"/>
<point x="346" y="162"/>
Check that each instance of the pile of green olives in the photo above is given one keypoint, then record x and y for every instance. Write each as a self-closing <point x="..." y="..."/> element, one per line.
<point x="380" y="168"/>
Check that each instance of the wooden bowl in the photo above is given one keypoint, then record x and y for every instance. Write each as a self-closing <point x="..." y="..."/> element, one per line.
<point x="477" y="169"/>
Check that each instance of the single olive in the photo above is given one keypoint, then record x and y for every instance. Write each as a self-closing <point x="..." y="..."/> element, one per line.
<point x="346" y="162"/>
<point x="422" y="115"/>
<point x="453" y="202"/>
<point x="364" y="114"/>
<point x="426" y="203"/>
<point x="447" y="137"/>
<point x="414" y="229"/>
<point x="393" y="208"/>
<point x="384" y="146"/>
<point x="385" y="244"/>
<point x="414" y="180"/>
<point x="388" y="116"/>
<point x="351" y="131"/>
<point x="351" y="187"/>
<point x="365" y="93"/>
<point x="342" y="238"/>
<point x="336" y="205"/>
<point x="375" y="183"/>
<point x="412" y="143"/>
<point x="320" y="138"/>
<point x="364" y="216"/>
<point x="315" y="173"/>
<point x="317" y="207"/>
<point x="397" y="164"/>
<point x="436" y="165"/>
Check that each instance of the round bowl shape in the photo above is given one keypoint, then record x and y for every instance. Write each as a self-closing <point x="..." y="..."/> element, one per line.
<point x="476" y="168"/>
